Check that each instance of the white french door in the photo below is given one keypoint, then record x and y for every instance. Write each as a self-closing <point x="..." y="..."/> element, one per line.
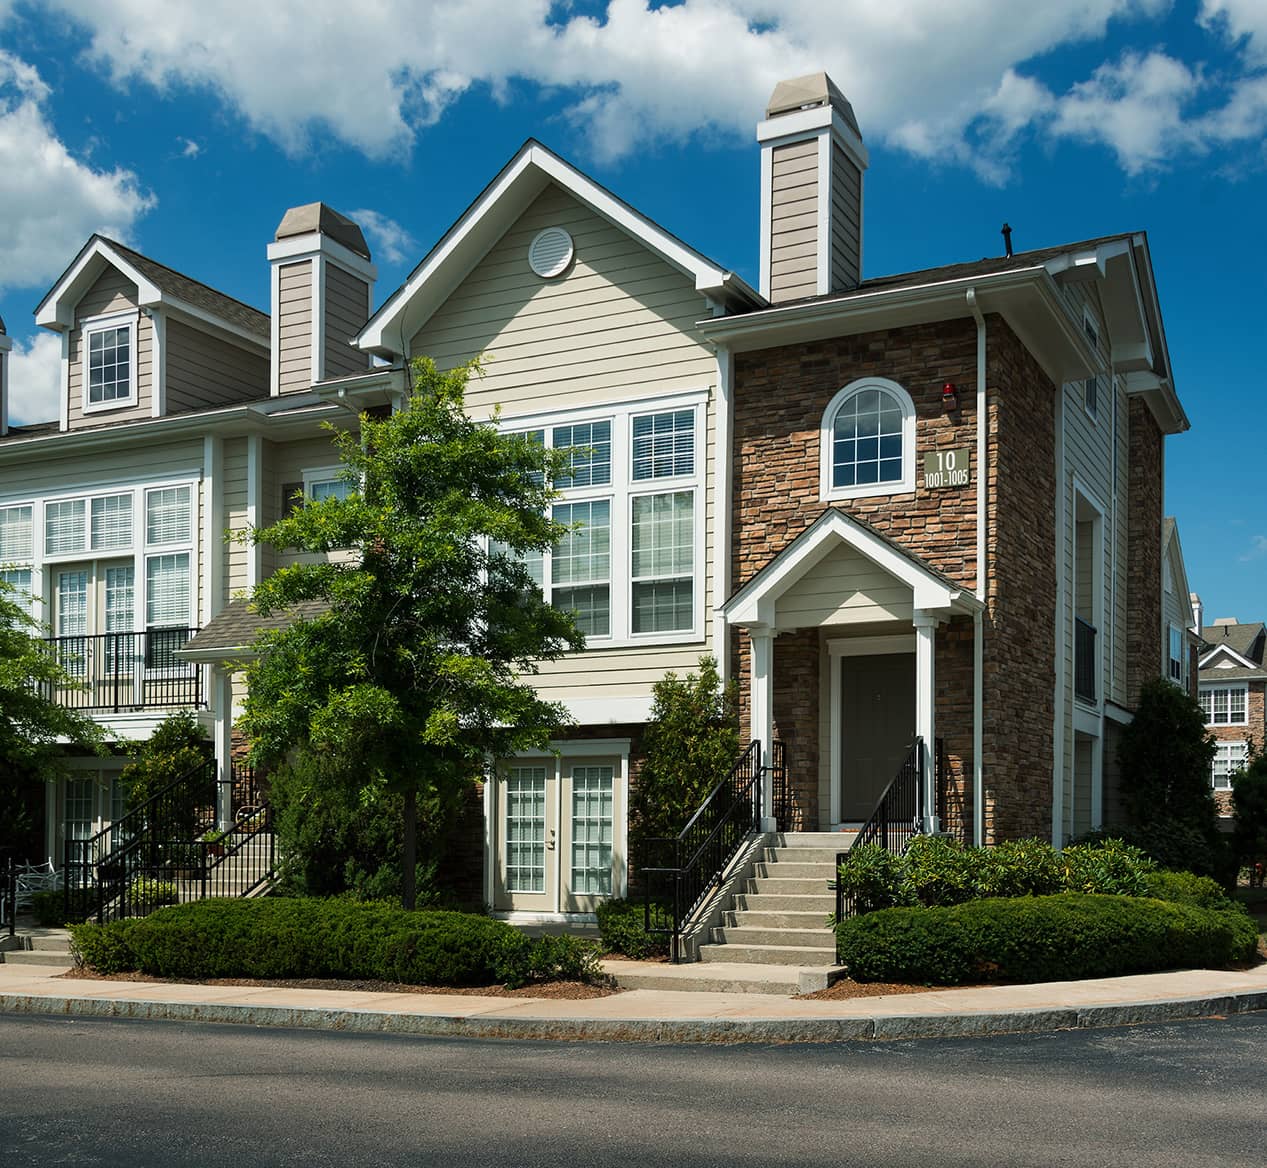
<point x="558" y="834"/>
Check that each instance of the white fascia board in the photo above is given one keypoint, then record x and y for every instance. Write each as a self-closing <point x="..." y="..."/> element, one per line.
<point x="1218" y="650"/>
<point x="57" y="310"/>
<point x="313" y="243"/>
<point x="755" y="602"/>
<point x="492" y="213"/>
<point x="787" y="128"/>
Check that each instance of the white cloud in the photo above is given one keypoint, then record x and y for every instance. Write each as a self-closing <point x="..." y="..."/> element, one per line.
<point x="188" y="148"/>
<point x="50" y="202"/>
<point x="942" y="80"/>
<point x="35" y="378"/>
<point x="389" y="241"/>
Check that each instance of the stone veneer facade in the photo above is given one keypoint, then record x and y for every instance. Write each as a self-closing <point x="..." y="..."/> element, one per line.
<point x="1144" y="514"/>
<point x="780" y="396"/>
<point x="1254" y="730"/>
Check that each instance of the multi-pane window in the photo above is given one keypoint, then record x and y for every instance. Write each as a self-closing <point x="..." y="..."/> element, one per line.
<point x="526" y="829"/>
<point x="109" y="365"/>
<point x="168" y="517"/>
<point x="64" y="527"/>
<point x="1229" y="758"/>
<point x="1224" y="705"/>
<point x="321" y="489"/>
<point x="70" y="621"/>
<point x="663" y="562"/>
<point x="79" y="818"/>
<point x="592" y="820"/>
<point x="580" y="567"/>
<point x="111" y="522"/>
<point x="663" y="445"/>
<point x="19" y="580"/>
<point x="1177" y="654"/>
<point x="120" y="606"/>
<point x="590" y="460"/>
<point x="867" y="440"/>
<point x="15" y="534"/>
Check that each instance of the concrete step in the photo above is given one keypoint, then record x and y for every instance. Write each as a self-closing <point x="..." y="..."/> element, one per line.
<point x="819" y="902"/>
<point x="716" y="977"/>
<point x="826" y="856"/>
<point x="838" y="841"/>
<point x="57" y="943"/>
<point x="769" y="954"/>
<point x="782" y="886"/>
<point x="813" y="938"/>
<point x="794" y="870"/>
<point x="62" y="959"/>
<point x="788" y="919"/>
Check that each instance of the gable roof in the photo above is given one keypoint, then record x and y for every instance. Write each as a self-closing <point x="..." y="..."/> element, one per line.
<point x="1244" y="643"/>
<point x="156" y="284"/>
<point x="486" y="220"/>
<point x="230" y="635"/>
<point x="933" y="590"/>
<point x="1171" y="547"/>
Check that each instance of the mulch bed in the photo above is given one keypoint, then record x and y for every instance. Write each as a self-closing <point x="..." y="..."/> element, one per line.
<point x="571" y="990"/>
<point x="846" y="987"/>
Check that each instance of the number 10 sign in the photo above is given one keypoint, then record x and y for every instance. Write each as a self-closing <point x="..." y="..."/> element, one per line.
<point x="946" y="468"/>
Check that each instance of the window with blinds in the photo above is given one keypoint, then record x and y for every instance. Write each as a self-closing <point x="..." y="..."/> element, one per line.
<point x="168" y="515"/>
<point x="581" y="565"/>
<point x="15" y="534"/>
<point x="64" y="527"/>
<point x="111" y="522"/>
<point x="663" y="550"/>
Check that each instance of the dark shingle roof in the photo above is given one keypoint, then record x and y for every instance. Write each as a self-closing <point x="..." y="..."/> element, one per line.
<point x="1247" y="639"/>
<point x="195" y="292"/>
<point x="239" y="624"/>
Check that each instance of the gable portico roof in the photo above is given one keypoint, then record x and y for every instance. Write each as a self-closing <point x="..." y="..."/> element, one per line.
<point x="486" y="220"/>
<point x="932" y="591"/>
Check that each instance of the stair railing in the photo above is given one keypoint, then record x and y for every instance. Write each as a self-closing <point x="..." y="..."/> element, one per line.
<point x="703" y="850"/>
<point x="898" y="815"/>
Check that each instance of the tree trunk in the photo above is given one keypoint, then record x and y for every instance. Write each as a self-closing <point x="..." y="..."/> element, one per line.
<point x="409" y="890"/>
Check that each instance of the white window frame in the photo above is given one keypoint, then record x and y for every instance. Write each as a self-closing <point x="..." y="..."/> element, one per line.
<point x="1241" y="687"/>
<point x="1173" y="631"/>
<point x="96" y="324"/>
<point x="621" y="491"/>
<point x="320" y="474"/>
<point x="828" y="491"/>
<point x="1224" y="751"/>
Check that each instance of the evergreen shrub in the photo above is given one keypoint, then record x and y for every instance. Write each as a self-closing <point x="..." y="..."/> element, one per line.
<point x="622" y="926"/>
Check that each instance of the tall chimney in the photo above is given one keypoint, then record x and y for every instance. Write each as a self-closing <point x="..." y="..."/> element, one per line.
<point x="6" y="343"/>
<point x="812" y="159"/>
<point x="321" y="280"/>
<point x="1198" y="610"/>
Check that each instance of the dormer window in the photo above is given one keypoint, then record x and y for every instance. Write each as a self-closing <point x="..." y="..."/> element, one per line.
<point x="109" y="363"/>
<point x="868" y="441"/>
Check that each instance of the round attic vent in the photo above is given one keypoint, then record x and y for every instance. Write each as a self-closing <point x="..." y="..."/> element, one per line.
<point x="550" y="252"/>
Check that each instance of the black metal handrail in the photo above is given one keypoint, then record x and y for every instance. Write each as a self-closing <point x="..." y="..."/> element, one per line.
<point x="113" y="672"/>
<point x="953" y="807"/>
<point x="898" y="815"/>
<point x="1084" y="686"/>
<point x="9" y="898"/>
<point x="781" y="787"/>
<point x="703" y="850"/>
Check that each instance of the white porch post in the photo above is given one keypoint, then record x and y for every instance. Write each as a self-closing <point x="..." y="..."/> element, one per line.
<point x="222" y="686"/>
<point x="762" y="712"/>
<point x="926" y="710"/>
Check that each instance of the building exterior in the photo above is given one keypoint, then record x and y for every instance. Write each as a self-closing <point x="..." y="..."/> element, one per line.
<point x="1232" y="684"/>
<point x="919" y="505"/>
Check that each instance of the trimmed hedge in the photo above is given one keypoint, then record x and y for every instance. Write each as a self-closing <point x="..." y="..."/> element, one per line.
<point x="301" y="938"/>
<point x="622" y="926"/>
<point x="1041" y="938"/>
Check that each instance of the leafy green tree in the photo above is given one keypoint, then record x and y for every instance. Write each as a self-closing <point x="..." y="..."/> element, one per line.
<point x="35" y="729"/>
<point x="175" y="748"/>
<point x="1249" y="806"/>
<point x="418" y="669"/>
<point x="692" y="740"/>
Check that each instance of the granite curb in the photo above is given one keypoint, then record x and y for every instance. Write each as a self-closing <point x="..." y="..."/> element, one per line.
<point x="684" y="1030"/>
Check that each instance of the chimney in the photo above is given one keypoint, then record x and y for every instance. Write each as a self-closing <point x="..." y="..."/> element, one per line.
<point x="5" y="345"/>
<point x="812" y="159"/>
<point x="321" y="280"/>
<point x="1198" y="611"/>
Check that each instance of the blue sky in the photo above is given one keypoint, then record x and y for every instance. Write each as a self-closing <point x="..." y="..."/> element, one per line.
<point x="188" y="129"/>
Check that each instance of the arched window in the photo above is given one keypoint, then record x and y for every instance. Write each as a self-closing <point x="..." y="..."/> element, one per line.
<point x="868" y="440"/>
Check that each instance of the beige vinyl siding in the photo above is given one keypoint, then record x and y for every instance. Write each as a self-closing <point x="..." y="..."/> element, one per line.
<point x="846" y="221"/>
<point x="285" y="462"/>
<point x="617" y="327"/>
<point x="205" y="371"/>
<point x="294" y="329"/>
<point x="53" y="472"/>
<point x="347" y="308"/>
<point x="112" y="292"/>
<point x="794" y="220"/>
<point x="235" y="498"/>
<point x="844" y="588"/>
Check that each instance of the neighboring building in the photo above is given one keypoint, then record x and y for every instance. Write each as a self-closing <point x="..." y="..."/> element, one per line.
<point x="927" y="504"/>
<point x="1232" y="683"/>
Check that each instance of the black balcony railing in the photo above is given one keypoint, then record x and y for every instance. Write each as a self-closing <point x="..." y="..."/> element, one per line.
<point x="113" y="672"/>
<point x="1083" y="660"/>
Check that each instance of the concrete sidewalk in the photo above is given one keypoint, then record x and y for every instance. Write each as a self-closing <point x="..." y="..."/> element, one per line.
<point x="654" y="1015"/>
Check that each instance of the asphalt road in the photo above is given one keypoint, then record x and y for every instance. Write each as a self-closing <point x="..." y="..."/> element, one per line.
<point x="158" y="1093"/>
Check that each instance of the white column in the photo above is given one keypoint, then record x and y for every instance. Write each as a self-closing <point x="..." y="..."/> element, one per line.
<point x="762" y="712"/>
<point x="222" y="687"/>
<point x="926" y="710"/>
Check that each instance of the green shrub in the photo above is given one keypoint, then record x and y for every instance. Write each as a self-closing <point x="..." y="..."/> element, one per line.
<point x="875" y="878"/>
<point x="1042" y="938"/>
<point x="622" y="927"/>
<point x="1112" y="866"/>
<point x="299" y="938"/>
<point x="148" y="891"/>
<point x="103" y="948"/>
<point x="49" y="908"/>
<point x="175" y="748"/>
<point x="941" y="870"/>
<point x="1186" y="888"/>
<point x="1027" y="867"/>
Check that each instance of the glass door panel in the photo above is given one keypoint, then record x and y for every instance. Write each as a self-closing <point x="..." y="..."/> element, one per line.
<point x="590" y="798"/>
<point x="70" y="620"/>
<point x="526" y="877"/>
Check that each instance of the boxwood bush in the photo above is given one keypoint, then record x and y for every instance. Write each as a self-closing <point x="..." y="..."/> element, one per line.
<point x="622" y="926"/>
<point x="1041" y="938"/>
<point x="313" y="938"/>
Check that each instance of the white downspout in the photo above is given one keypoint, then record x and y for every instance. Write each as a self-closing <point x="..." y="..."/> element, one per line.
<point x="723" y="407"/>
<point x="978" y="617"/>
